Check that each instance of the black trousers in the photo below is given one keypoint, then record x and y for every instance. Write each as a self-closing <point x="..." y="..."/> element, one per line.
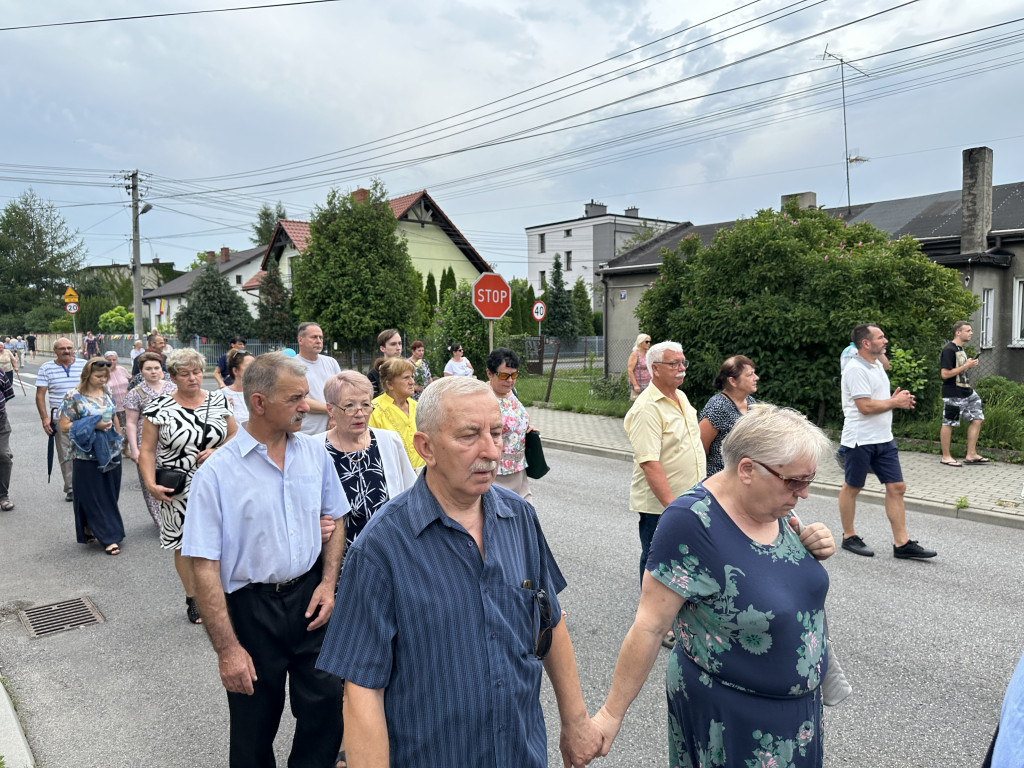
<point x="271" y="626"/>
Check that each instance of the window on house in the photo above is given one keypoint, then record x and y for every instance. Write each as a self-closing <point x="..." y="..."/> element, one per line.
<point x="1018" y="312"/>
<point x="987" y="315"/>
<point x="568" y="233"/>
<point x="541" y="247"/>
<point x="568" y="261"/>
<point x="543" y="280"/>
<point x="238" y="279"/>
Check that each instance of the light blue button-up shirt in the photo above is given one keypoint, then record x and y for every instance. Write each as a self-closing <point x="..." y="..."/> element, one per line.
<point x="262" y="524"/>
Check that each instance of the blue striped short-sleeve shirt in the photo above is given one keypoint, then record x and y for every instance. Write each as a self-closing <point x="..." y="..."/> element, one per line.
<point x="447" y="633"/>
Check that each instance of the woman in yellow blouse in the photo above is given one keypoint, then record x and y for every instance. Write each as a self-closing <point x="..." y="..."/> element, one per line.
<point x="396" y="410"/>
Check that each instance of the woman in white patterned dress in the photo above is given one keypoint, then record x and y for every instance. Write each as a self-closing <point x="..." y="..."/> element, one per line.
<point x="153" y="386"/>
<point x="179" y="432"/>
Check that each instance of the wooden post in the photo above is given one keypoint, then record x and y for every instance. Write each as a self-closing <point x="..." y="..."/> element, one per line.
<point x="551" y="377"/>
<point x="490" y="335"/>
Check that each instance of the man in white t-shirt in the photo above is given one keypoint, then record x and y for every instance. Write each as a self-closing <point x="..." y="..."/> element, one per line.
<point x="867" y="436"/>
<point x="319" y="368"/>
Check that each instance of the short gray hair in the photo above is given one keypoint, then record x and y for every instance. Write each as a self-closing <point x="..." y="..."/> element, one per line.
<point x="657" y="351"/>
<point x="185" y="358"/>
<point x="354" y="379"/>
<point x="430" y="409"/>
<point x="774" y="436"/>
<point x="264" y="372"/>
<point x="308" y="324"/>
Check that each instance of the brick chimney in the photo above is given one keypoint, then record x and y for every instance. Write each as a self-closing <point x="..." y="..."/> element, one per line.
<point x="360" y="195"/>
<point x="225" y="254"/>
<point x="803" y="199"/>
<point x="976" y="203"/>
<point x="211" y="257"/>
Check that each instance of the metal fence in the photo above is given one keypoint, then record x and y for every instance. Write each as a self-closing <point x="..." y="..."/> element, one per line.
<point x="570" y="375"/>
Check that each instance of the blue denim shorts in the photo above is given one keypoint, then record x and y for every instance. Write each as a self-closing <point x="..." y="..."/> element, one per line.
<point x="882" y="458"/>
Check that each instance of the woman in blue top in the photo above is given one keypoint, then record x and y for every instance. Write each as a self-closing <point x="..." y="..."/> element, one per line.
<point x="738" y="382"/>
<point x="87" y="416"/>
<point x="746" y="596"/>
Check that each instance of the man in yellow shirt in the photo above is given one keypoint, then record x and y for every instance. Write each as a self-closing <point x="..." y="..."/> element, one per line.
<point x="668" y="457"/>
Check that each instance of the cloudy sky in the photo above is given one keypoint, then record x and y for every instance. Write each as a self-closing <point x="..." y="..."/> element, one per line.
<point x="511" y="114"/>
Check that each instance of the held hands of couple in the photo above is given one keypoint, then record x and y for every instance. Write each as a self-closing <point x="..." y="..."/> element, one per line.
<point x="582" y="741"/>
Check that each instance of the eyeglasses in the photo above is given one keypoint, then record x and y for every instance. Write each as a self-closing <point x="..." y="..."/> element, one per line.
<point x="508" y="376"/>
<point x="542" y="626"/>
<point x="677" y="364"/>
<point x="353" y="408"/>
<point x="791" y="483"/>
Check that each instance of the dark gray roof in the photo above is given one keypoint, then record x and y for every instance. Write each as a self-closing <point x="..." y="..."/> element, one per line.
<point x="925" y="217"/>
<point x="181" y="285"/>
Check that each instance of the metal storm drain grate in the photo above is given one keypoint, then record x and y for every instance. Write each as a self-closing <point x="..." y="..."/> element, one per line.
<point x="44" y="620"/>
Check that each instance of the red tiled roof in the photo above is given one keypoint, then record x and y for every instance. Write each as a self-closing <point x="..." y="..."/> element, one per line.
<point x="402" y="204"/>
<point x="255" y="281"/>
<point x="298" y="231"/>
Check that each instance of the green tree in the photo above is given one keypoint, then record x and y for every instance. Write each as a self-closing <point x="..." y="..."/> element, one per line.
<point x="561" y="316"/>
<point x="447" y="283"/>
<point x="459" y="322"/>
<point x="355" y="276"/>
<point x="431" y="290"/>
<point x="515" y="314"/>
<point x="529" y="324"/>
<point x="117" y="320"/>
<point x="581" y="303"/>
<point x="785" y="289"/>
<point x="38" y="318"/>
<point x="274" y="320"/>
<point x="598" y="323"/>
<point x="39" y="254"/>
<point x="214" y="310"/>
<point x="266" y="222"/>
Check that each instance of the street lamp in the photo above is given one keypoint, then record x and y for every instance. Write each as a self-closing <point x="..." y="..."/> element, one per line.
<point x="136" y="265"/>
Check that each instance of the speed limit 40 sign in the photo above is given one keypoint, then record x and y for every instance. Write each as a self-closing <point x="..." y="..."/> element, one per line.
<point x="539" y="311"/>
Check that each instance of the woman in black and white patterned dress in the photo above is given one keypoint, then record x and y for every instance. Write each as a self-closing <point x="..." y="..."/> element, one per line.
<point x="737" y="381"/>
<point x="180" y="431"/>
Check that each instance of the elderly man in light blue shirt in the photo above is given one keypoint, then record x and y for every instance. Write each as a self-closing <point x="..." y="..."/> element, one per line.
<point x="265" y="588"/>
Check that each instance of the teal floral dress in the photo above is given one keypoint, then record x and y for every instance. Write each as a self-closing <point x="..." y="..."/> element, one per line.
<point x="743" y="680"/>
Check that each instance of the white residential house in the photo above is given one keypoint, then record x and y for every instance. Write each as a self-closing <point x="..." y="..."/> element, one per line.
<point x="161" y="304"/>
<point x="584" y="244"/>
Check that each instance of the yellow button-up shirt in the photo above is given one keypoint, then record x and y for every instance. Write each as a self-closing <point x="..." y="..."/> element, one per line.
<point x="661" y="431"/>
<point x="387" y="415"/>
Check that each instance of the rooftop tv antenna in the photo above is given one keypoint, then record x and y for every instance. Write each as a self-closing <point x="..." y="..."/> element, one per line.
<point x="843" y="63"/>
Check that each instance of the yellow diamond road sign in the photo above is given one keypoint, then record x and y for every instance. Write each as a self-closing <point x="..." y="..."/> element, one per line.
<point x="70" y="295"/>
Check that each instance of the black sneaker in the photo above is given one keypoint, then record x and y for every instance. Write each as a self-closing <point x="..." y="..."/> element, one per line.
<point x="69" y="496"/>
<point x="912" y="550"/>
<point x="856" y="545"/>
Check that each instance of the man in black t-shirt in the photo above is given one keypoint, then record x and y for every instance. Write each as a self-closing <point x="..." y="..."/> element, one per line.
<point x="959" y="400"/>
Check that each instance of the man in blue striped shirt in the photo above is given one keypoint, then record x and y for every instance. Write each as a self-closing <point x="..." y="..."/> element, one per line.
<point x="446" y="605"/>
<point x="55" y="379"/>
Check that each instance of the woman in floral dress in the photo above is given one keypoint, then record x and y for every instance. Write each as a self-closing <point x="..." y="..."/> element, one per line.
<point x="153" y="385"/>
<point x="746" y="596"/>
<point x="502" y="371"/>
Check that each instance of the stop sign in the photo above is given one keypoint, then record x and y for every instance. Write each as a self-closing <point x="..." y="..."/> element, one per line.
<point x="491" y="296"/>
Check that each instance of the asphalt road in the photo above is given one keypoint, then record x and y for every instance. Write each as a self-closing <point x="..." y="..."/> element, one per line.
<point x="928" y="646"/>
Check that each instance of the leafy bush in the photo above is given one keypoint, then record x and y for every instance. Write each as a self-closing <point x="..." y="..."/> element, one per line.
<point x="117" y="320"/>
<point x="786" y="288"/>
<point x="996" y="390"/>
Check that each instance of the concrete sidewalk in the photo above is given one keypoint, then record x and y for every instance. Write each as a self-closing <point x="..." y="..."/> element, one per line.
<point x="992" y="491"/>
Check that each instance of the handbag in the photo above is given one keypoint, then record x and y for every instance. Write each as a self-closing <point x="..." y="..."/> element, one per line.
<point x="536" y="467"/>
<point x="835" y="687"/>
<point x="174" y="479"/>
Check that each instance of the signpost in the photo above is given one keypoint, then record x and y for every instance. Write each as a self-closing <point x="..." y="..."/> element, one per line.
<point x="71" y="305"/>
<point x="492" y="298"/>
<point x="539" y="312"/>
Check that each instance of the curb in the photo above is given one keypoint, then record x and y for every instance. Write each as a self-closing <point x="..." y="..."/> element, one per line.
<point x="14" y="746"/>
<point x="831" y="490"/>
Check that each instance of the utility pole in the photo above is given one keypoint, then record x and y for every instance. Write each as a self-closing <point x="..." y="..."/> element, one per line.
<point x="136" y="259"/>
<point x="843" y="64"/>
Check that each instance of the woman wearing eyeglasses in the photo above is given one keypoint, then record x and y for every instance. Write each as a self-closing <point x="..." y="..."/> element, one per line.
<point x="502" y="371"/>
<point x="371" y="463"/>
<point x="746" y="595"/>
<point x="738" y="382"/>
<point x="395" y="409"/>
<point x="87" y="417"/>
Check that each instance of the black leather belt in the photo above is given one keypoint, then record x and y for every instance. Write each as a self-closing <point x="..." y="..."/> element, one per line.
<point x="281" y="586"/>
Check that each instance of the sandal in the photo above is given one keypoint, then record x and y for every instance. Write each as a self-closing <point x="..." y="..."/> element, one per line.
<point x="192" y="610"/>
<point x="341" y="762"/>
<point x="113" y="549"/>
<point x="6" y="505"/>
